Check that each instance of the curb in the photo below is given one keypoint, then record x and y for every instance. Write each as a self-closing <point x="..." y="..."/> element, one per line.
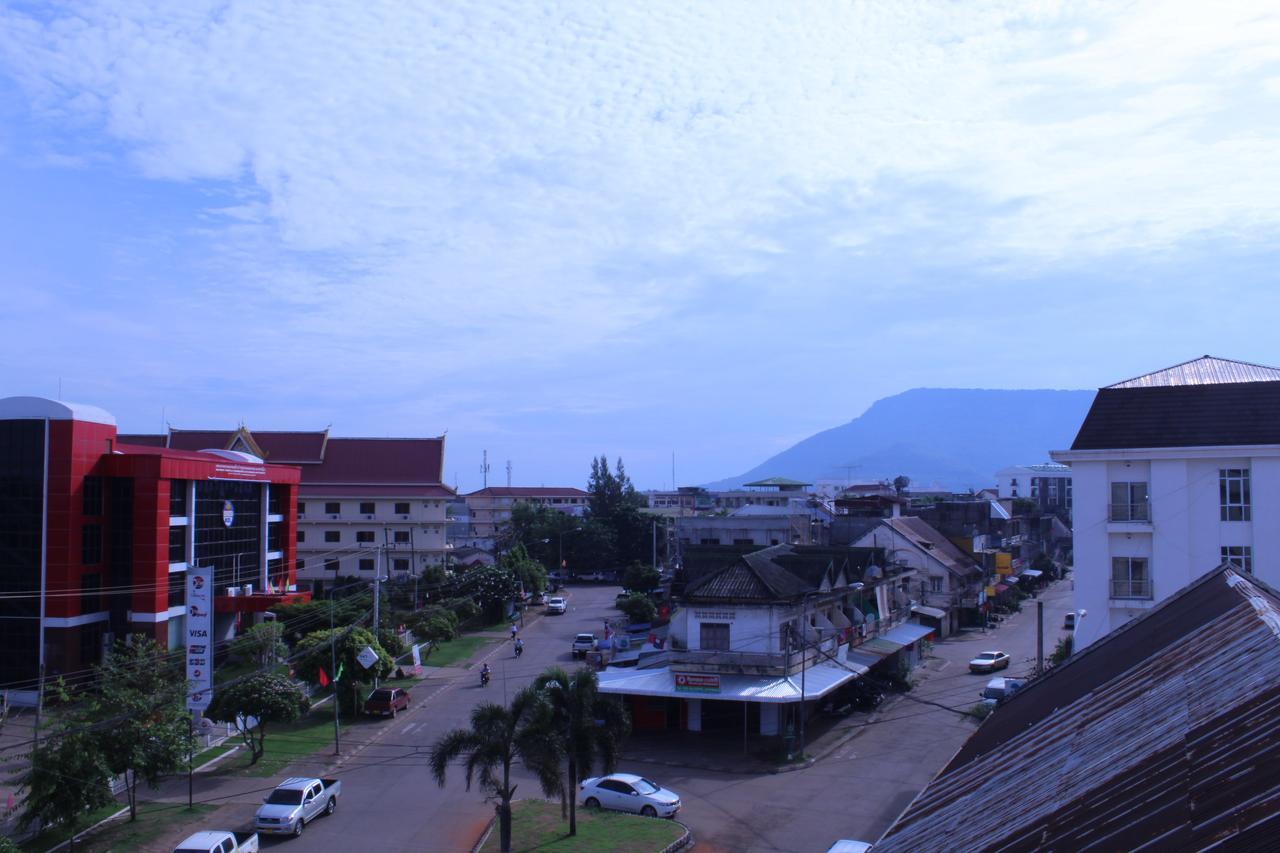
<point x="484" y="836"/>
<point x="88" y="830"/>
<point x="680" y="843"/>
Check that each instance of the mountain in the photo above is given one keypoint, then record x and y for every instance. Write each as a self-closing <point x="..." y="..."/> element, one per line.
<point x="951" y="438"/>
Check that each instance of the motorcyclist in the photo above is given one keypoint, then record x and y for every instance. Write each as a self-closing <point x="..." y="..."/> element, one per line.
<point x="484" y="675"/>
<point x="519" y="647"/>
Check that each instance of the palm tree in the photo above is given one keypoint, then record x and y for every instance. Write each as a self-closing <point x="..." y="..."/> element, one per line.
<point x="587" y="726"/>
<point x="498" y="737"/>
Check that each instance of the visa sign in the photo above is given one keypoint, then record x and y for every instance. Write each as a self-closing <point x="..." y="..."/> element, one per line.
<point x="199" y="624"/>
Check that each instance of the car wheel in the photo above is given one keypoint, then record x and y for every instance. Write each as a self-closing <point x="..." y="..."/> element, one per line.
<point x="331" y="806"/>
<point x="649" y="811"/>
<point x="393" y="712"/>
<point x="592" y="803"/>
<point x="297" y="828"/>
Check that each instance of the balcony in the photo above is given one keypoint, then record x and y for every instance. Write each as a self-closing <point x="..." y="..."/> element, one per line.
<point x="1135" y="513"/>
<point x="1132" y="588"/>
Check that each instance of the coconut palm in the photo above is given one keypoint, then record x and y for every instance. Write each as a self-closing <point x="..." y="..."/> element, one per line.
<point x="588" y="727"/>
<point x="500" y="736"/>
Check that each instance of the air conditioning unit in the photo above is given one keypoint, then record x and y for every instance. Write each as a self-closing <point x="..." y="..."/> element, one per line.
<point x="369" y="517"/>
<point x="333" y="516"/>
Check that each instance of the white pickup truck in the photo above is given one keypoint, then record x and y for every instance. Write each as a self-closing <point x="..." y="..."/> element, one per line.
<point x="219" y="841"/>
<point x="584" y="643"/>
<point x="295" y="802"/>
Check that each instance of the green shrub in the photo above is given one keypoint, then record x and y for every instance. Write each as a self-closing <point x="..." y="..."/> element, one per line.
<point x="391" y="642"/>
<point x="639" y="608"/>
<point x="463" y="608"/>
<point x="1062" y="650"/>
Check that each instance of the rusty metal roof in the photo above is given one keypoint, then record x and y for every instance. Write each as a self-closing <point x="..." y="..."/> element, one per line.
<point x="1205" y="370"/>
<point x="781" y="573"/>
<point x="1164" y="735"/>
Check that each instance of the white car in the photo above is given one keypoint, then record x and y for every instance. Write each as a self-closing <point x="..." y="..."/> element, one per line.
<point x="626" y="792"/>
<point x="556" y="604"/>
<point x="989" y="662"/>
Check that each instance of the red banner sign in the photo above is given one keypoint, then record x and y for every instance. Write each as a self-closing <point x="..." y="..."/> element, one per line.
<point x="697" y="682"/>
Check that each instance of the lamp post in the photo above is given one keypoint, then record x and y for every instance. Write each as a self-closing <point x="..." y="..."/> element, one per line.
<point x="333" y="663"/>
<point x="560" y="536"/>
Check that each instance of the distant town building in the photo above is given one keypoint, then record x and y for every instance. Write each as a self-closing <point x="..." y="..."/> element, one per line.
<point x="97" y="535"/>
<point x="1048" y="486"/>
<point x="358" y="496"/>
<point x="1174" y="473"/>
<point x="490" y="507"/>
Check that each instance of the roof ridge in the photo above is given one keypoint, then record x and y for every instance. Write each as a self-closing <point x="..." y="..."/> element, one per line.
<point x="1206" y="357"/>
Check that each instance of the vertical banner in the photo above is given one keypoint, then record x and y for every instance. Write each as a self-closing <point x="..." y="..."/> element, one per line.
<point x="417" y="660"/>
<point x="199" y="637"/>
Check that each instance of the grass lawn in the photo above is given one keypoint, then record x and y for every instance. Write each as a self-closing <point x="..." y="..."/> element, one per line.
<point x="456" y="651"/>
<point x="153" y="820"/>
<point x="213" y="752"/>
<point x="227" y="672"/>
<point x="536" y="825"/>
<point x="287" y="743"/>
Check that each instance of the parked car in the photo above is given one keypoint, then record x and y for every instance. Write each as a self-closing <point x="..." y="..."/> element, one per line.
<point x="1069" y="622"/>
<point x="627" y="792"/>
<point x="999" y="689"/>
<point x="582" y="644"/>
<point x="989" y="662"/>
<point x="387" y="700"/>
<point x="556" y="604"/>
<point x="296" y="801"/>
<point x="219" y="841"/>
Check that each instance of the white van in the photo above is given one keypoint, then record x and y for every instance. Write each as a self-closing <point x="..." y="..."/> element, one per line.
<point x="999" y="689"/>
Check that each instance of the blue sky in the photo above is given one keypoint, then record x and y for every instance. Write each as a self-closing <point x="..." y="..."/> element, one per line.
<point x="557" y="230"/>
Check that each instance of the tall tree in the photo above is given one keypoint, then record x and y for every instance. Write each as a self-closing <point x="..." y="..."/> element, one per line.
<point x="144" y="729"/>
<point x="315" y="653"/>
<point x="497" y="739"/>
<point x="263" y="644"/>
<point x="250" y="704"/>
<point x="588" y="727"/>
<point x="614" y="503"/>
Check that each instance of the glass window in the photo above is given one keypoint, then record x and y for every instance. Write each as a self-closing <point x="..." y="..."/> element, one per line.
<point x="401" y="536"/>
<point x="90" y="593"/>
<point x="366" y="565"/>
<point x="91" y="544"/>
<point x="177" y="544"/>
<point x="713" y="635"/>
<point x="333" y="508"/>
<point x="333" y="536"/>
<point x="402" y="508"/>
<point x="228" y="534"/>
<point x="275" y="498"/>
<point x="177" y="497"/>
<point x="364" y="536"/>
<point x="302" y="564"/>
<point x="302" y="508"/>
<point x="273" y="536"/>
<point x="1129" y="502"/>
<point x="1233" y="493"/>
<point x="92" y="503"/>
<point x="302" y="535"/>
<point x="1130" y="578"/>
<point x="366" y="508"/>
<point x="177" y="589"/>
<point x="332" y="565"/>
<point x="1239" y="555"/>
<point x="401" y="565"/>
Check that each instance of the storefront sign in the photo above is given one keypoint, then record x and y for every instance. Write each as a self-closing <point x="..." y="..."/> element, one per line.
<point x="697" y="682"/>
<point x="199" y="637"/>
<point x="232" y="471"/>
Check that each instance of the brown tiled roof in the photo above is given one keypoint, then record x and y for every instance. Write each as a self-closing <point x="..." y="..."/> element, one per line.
<point x="938" y="546"/>
<point x="1164" y="735"/>
<point x="527" y="492"/>
<point x="312" y="491"/>
<point x="280" y="446"/>
<point x="140" y="439"/>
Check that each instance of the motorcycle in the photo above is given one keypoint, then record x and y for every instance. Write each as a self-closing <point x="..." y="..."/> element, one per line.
<point x="484" y="678"/>
<point x="519" y="649"/>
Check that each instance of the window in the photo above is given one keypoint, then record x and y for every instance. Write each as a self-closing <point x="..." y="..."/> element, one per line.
<point x="784" y="634"/>
<point x="1233" y="492"/>
<point x="402" y="508"/>
<point x="302" y="509"/>
<point x="364" y="535"/>
<point x="367" y="508"/>
<point x="1035" y="489"/>
<point x="332" y="565"/>
<point x="91" y="643"/>
<point x="715" y="542"/>
<point x="744" y="542"/>
<point x="90" y="593"/>
<point x="1053" y="492"/>
<point x="302" y="564"/>
<point x="1130" y="578"/>
<point x="1129" y="502"/>
<point x="1239" y="555"/>
<point x="333" y="508"/>
<point x="1067" y="490"/>
<point x="302" y="536"/>
<point x="366" y="565"/>
<point x="177" y="497"/>
<point x="400" y="565"/>
<point x="333" y="536"/>
<point x="401" y="536"/>
<point x="935" y="584"/>
<point x="713" y="635"/>
<point x="91" y="544"/>
<point x="177" y="589"/>
<point x="177" y="544"/>
<point x="273" y="536"/>
<point x="92" y="503"/>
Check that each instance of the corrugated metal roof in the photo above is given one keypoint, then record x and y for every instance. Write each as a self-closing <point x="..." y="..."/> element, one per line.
<point x="819" y="680"/>
<point x="1165" y="735"/>
<point x="1205" y="370"/>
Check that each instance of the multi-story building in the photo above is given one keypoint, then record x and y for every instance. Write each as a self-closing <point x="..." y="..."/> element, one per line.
<point x="777" y="492"/>
<point x="359" y="498"/>
<point x="758" y="642"/>
<point x="1175" y="473"/>
<point x="97" y="534"/>
<point x="490" y="507"/>
<point x="1048" y="486"/>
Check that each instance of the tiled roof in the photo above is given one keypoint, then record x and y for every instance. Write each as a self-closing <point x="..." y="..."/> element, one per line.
<point x="1238" y="413"/>
<point x="387" y="491"/>
<point x="929" y="539"/>
<point x="1205" y="370"/>
<point x="280" y="446"/>
<point x="140" y="439"/>
<point x="780" y="573"/>
<point x="777" y="481"/>
<point x="1164" y="735"/>
<point x="527" y="492"/>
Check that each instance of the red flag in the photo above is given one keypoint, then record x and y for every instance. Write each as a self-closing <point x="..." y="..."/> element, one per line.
<point x="324" y="678"/>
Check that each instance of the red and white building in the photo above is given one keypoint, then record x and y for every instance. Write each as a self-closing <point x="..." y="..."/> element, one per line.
<point x="96" y="536"/>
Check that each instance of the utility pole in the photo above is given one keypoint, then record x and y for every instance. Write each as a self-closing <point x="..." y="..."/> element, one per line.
<point x="655" y="544"/>
<point x="377" y="597"/>
<point x="484" y="468"/>
<point x="804" y="656"/>
<point x="1039" y="636"/>
<point x="508" y="473"/>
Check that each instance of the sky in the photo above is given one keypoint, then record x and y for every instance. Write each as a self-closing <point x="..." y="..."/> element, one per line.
<point x="558" y="230"/>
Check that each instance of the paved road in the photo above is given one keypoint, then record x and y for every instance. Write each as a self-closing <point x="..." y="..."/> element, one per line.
<point x="864" y="784"/>
<point x="389" y="798"/>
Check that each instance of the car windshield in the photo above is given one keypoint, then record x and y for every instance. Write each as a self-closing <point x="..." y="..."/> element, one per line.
<point x="585" y="638"/>
<point x="291" y="797"/>
<point x="987" y="656"/>
<point x="644" y="786"/>
<point x="380" y="695"/>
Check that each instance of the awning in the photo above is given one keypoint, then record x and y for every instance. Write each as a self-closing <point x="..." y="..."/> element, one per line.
<point x="908" y="633"/>
<point x="857" y="657"/>
<point x="931" y="612"/>
<point x="1000" y="588"/>
<point x="882" y="647"/>
<point x="819" y="680"/>
<point x="1033" y="573"/>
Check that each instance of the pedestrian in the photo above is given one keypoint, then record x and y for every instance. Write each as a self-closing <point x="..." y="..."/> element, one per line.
<point x="515" y="629"/>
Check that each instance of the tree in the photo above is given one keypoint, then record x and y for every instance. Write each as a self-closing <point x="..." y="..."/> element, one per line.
<point x="639" y="608"/>
<point x="492" y="587"/>
<point x="315" y="653"/>
<point x="253" y="702"/>
<point x="528" y="572"/>
<point x="499" y="737"/>
<point x="263" y="644"/>
<point x="900" y="484"/>
<point x="587" y="726"/>
<point x="614" y="503"/>
<point x="143" y="727"/>
<point x="67" y="776"/>
<point x="641" y="578"/>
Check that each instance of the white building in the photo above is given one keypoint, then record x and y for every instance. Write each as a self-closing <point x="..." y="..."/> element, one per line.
<point x="1174" y="473"/>
<point x="490" y="508"/>
<point x="1048" y="485"/>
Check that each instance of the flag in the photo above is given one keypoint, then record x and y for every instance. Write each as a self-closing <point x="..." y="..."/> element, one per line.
<point x="324" y="678"/>
<point x="338" y="677"/>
